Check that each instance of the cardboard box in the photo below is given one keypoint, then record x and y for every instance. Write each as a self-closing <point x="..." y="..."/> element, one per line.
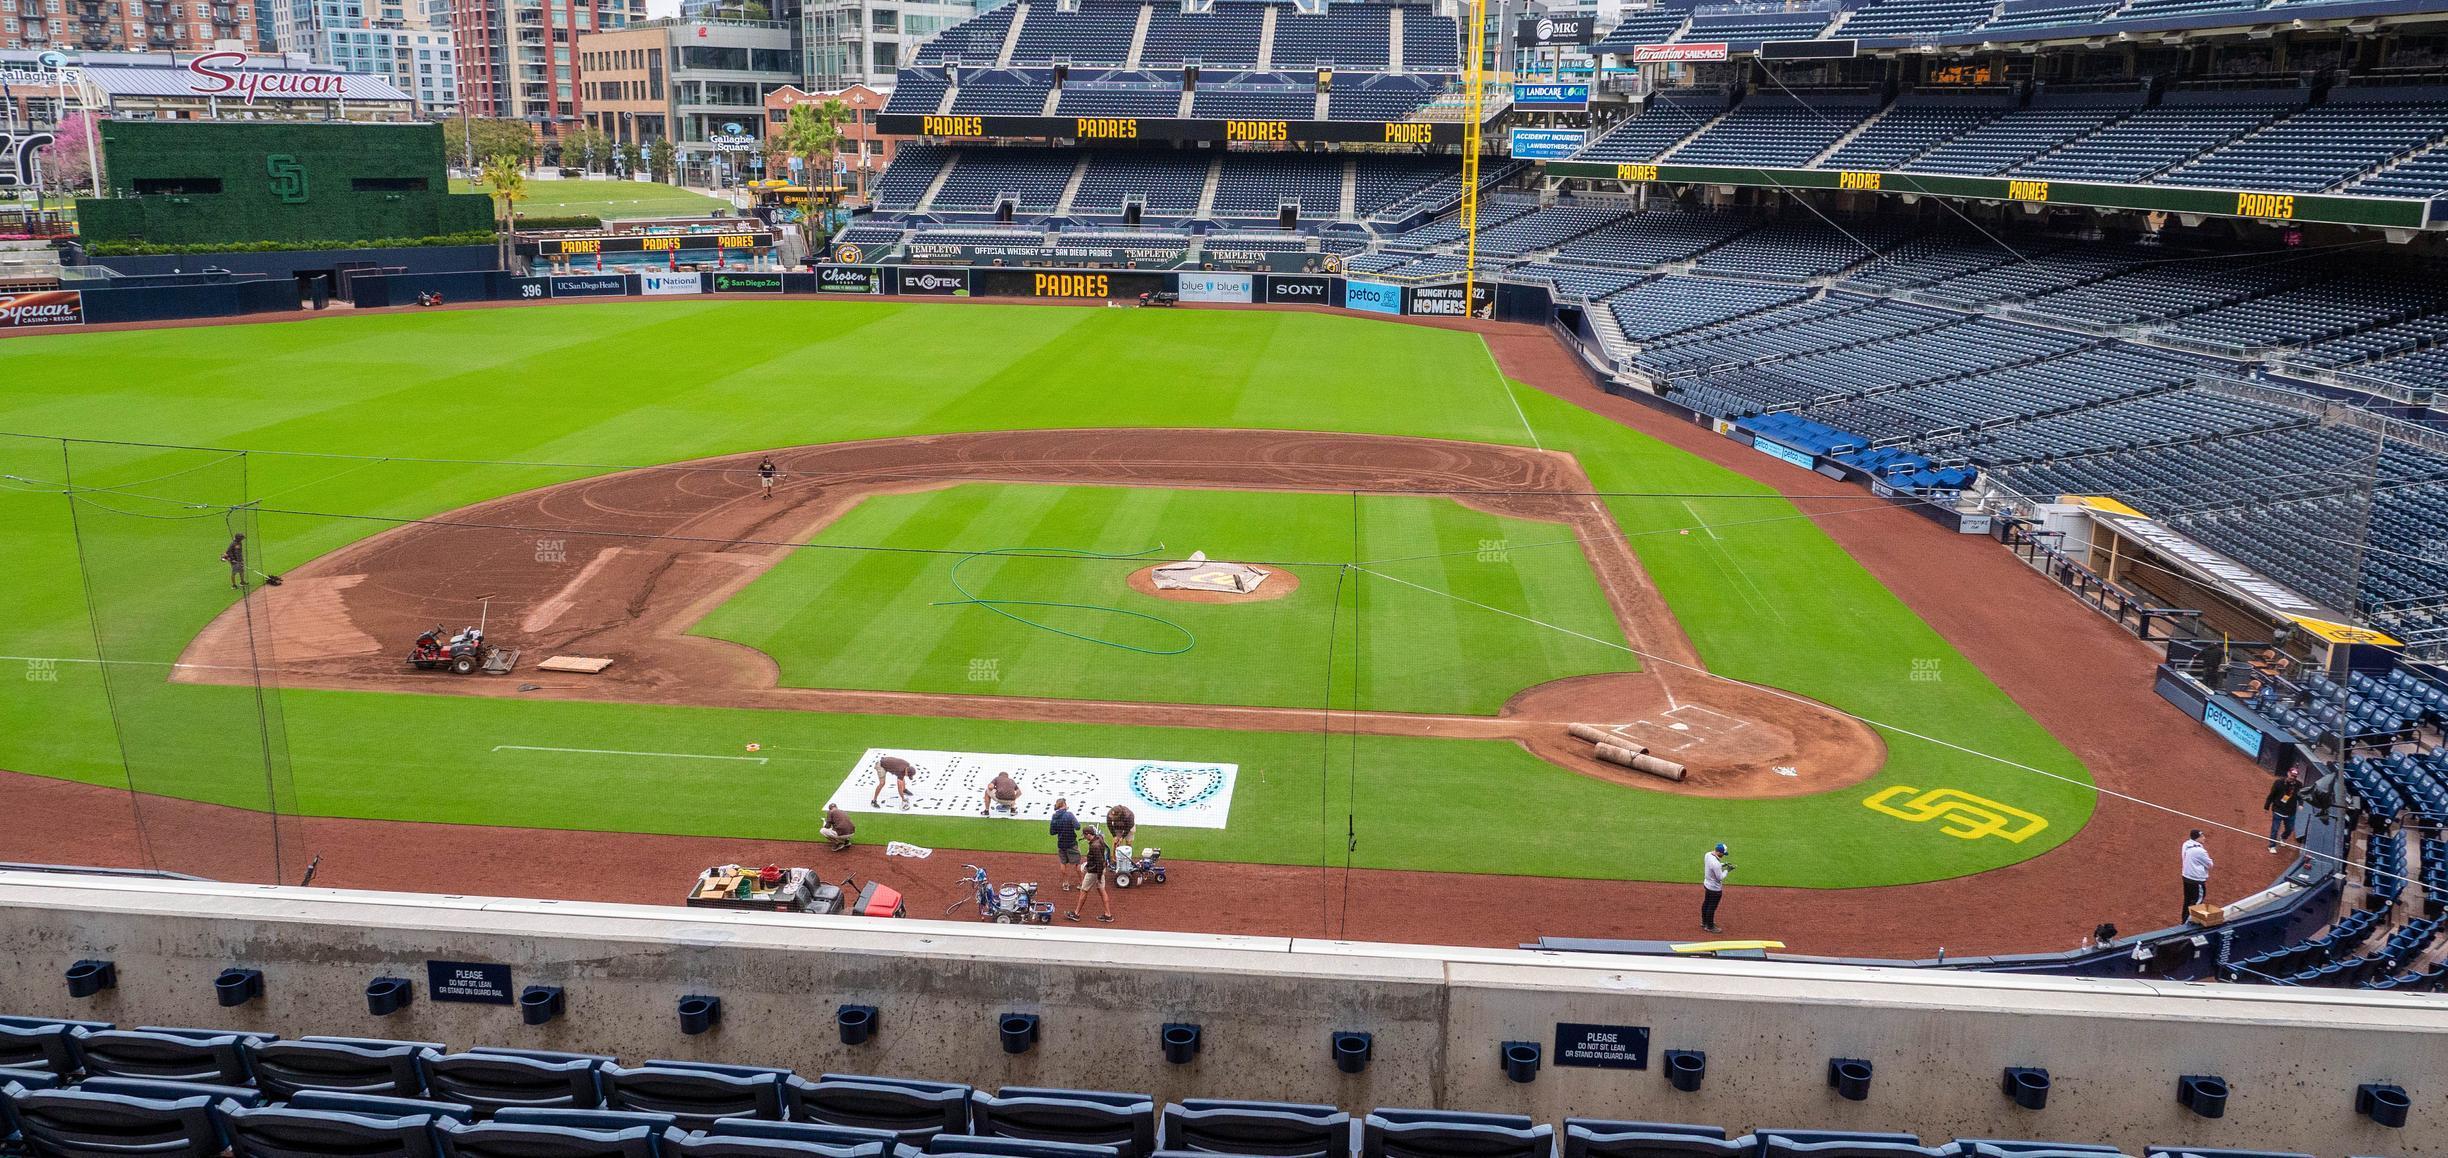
<point x="2207" y="916"/>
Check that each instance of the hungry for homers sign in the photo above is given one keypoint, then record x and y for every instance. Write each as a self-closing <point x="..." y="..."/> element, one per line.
<point x="1169" y="793"/>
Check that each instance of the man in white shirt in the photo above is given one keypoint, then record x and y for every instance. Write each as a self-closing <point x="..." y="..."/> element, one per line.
<point x="2197" y="865"/>
<point x="1713" y="870"/>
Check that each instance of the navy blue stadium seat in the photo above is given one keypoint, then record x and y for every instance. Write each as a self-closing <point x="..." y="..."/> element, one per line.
<point x="810" y="1138"/>
<point x="492" y="1080"/>
<point x="178" y="1055"/>
<point x="977" y="1146"/>
<point x="913" y="1111"/>
<point x="1262" y="1129"/>
<point x="1789" y="1137"/>
<point x="2006" y="1147"/>
<point x="694" y="1094"/>
<point x="525" y="1140"/>
<point x="160" y="1090"/>
<point x="1395" y="1133"/>
<point x="41" y="1042"/>
<point x="288" y="1132"/>
<point x="1785" y="1146"/>
<point x="348" y="1065"/>
<point x="378" y="1107"/>
<point x="1089" y="1117"/>
<point x="698" y="1144"/>
<point x="1598" y="1138"/>
<point x="84" y="1124"/>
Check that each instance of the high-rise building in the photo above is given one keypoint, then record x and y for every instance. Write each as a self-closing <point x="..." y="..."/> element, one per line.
<point x="393" y="39"/>
<point x="128" y="25"/>
<point x="519" y="58"/>
<point x="866" y="42"/>
<point x="700" y="84"/>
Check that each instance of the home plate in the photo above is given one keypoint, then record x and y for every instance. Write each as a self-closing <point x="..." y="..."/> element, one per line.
<point x="582" y="664"/>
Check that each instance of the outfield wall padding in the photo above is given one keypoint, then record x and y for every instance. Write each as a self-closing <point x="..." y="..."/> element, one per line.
<point x="1267" y="1008"/>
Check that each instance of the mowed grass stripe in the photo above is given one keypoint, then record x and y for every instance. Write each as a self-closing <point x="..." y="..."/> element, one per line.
<point x="1437" y="656"/>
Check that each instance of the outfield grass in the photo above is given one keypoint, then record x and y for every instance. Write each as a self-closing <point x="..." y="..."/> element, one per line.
<point x="607" y="199"/>
<point x="892" y="620"/>
<point x="1763" y="593"/>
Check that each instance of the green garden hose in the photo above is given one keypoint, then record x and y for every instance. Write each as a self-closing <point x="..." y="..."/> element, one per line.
<point x="999" y="606"/>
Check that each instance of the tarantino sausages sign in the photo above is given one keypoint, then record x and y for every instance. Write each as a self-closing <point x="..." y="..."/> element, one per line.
<point x="48" y="308"/>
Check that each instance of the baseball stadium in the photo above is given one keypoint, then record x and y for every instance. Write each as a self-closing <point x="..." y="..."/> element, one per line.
<point x="1302" y="579"/>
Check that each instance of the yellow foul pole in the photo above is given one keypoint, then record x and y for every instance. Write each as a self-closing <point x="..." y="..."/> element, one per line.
<point x="1475" y="84"/>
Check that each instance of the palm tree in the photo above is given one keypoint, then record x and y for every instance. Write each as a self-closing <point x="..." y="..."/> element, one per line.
<point x="811" y="134"/>
<point x="507" y="182"/>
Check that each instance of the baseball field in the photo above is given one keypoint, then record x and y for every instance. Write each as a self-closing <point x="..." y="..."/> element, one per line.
<point x="954" y="560"/>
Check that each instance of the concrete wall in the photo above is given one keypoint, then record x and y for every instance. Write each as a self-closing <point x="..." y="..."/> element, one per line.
<point x="1939" y="1042"/>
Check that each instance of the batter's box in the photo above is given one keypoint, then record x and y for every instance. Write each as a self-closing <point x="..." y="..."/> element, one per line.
<point x="1685" y="728"/>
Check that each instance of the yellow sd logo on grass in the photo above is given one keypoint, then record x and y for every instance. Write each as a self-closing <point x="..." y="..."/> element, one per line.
<point x="1966" y="816"/>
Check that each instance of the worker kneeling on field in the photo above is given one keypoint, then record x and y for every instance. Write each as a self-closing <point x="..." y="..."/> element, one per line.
<point x="837" y="827"/>
<point x="1003" y="793"/>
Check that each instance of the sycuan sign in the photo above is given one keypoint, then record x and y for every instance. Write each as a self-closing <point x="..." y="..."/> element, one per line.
<point x="226" y="74"/>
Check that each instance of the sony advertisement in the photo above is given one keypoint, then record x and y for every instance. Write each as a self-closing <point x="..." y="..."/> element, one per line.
<point x="1304" y="291"/>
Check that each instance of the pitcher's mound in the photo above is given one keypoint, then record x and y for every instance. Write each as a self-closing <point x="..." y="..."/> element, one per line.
<point x="1279" y="583"/>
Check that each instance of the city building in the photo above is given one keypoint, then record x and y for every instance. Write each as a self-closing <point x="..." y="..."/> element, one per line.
<point x="866" y="42"/>
<point x="127" y="25"/>
<point x="700" y="84"/>
<point x="863" y="151"/>
<point x="395" y="39"/>
<point x="518" y="58"/>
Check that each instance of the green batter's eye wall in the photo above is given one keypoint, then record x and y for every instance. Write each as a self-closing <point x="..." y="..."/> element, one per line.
<point x="215" y="183"/>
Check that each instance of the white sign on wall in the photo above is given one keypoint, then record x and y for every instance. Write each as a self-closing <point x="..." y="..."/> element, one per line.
<point x="1159" y="792"/>
<point x="664" y="282"/>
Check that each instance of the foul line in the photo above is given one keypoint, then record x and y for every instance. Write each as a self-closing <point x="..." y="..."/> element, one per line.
<point x="618" y="752"/>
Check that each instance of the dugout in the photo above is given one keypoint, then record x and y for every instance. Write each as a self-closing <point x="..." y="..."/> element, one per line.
<point x="2135" y="553"/>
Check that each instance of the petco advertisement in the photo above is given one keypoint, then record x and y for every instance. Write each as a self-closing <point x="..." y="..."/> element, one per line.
<point x="1216" y="287"/>
<point x="1546" y="144"/>
<point x="48" y="308"/>
<point x="1374" y="296"/>
<point x="656" y="284"/>
<point x="1160" y="792"/>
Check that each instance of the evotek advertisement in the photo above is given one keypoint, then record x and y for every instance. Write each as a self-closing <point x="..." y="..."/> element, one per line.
<point x="943" y="283"/>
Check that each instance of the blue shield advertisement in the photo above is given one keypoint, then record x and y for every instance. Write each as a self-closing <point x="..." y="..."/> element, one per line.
<point x="1374" y="296"/>
<point x="1546" y="144"/>
<point x="1547" y="95"/>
